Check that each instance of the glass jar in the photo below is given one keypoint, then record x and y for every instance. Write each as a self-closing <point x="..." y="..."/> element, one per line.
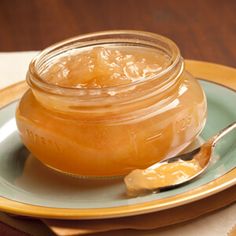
<point x="112" y="130"/>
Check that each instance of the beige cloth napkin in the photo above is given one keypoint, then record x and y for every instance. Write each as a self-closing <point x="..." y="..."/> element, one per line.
<point x="215" y="224"/>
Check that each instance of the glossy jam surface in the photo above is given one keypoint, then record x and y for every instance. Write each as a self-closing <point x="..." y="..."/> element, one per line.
<point x="142" y="181"/>
<point x="116" y="138"/>
<point x="104" y="67"/>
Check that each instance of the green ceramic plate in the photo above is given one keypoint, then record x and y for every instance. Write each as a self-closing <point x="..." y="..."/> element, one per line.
<point x="29" y="188"/>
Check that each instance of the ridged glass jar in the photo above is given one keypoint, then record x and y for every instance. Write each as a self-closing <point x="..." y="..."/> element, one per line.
<point x="113" y="130"/>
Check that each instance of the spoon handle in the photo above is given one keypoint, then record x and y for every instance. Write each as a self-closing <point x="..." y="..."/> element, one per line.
<point x="222" y="133"/>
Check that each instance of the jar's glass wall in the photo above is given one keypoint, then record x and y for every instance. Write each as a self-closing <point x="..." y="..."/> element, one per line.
<point x="111" y="138"/>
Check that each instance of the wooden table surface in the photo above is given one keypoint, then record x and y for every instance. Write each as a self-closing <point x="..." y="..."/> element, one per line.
<point x="203" y="29"/>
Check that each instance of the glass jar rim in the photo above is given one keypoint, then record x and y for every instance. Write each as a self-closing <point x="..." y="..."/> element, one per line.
<point x="103" y="37"/>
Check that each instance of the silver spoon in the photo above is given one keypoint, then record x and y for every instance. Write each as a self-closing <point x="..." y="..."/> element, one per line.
<point x="143" y="181"/>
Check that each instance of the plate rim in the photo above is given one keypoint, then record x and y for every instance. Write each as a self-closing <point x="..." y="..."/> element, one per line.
<point x="224" y="182"/>
<point x="204" y="191"/>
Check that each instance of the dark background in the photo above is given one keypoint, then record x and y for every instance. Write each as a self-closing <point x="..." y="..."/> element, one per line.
<point x="204" y="30"/>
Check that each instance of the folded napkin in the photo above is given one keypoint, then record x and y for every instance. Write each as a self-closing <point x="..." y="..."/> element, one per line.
<point x="13" y="66"/>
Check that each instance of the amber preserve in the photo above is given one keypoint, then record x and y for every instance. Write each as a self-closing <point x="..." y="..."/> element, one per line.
<point x="106" y="103"/>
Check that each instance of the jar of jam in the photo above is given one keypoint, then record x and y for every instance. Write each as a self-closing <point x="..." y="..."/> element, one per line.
<point x="106" y="103"/>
